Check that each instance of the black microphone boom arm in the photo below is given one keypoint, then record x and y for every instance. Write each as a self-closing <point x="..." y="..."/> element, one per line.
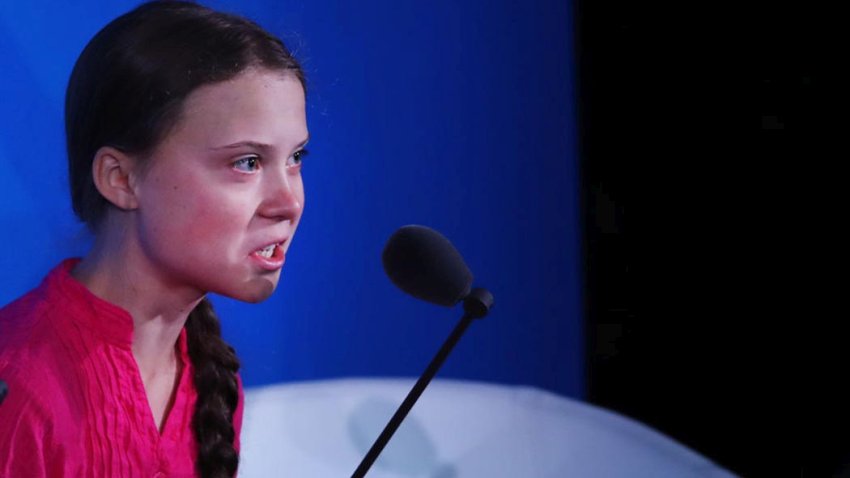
<point x="476" y="305"/>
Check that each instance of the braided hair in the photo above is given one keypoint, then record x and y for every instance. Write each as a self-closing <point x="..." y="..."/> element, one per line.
<point x="126" y="91"/>
<point x="215" y="365"/>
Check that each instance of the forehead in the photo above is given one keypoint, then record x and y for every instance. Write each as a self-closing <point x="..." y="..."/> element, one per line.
<point x="257" y="105"/>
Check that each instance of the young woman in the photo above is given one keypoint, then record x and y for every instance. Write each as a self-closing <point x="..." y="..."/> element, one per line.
<point x="185" y="133"/>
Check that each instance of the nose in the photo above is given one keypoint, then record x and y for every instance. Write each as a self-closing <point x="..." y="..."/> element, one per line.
<point x="283" y="196"/>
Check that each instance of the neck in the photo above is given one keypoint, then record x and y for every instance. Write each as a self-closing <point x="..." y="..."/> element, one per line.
<point x="117" y="271"/>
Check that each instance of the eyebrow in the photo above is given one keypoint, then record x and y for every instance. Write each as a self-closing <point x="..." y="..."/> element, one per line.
<point x="255" y="145"/>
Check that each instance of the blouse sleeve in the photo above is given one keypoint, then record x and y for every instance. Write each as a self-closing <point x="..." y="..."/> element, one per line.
<point x="24" y="432"/>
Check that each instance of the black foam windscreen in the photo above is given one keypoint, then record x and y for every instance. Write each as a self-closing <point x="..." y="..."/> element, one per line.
<point x="423" y="263"/>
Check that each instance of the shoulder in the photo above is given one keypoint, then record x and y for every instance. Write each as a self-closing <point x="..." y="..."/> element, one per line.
<point x="25" y="318"/>
<point x="38" y="412"/>
<point x="32" y="328"/>
<point x="29" y="344"/>
<point x="36" y="365"/>
<point x="41" y="418"/>
<point x="19" y="318"/>
<point x="25" y="340"/>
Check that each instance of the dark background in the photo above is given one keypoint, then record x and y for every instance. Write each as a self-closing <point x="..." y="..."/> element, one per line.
<point x="687" y="115"/>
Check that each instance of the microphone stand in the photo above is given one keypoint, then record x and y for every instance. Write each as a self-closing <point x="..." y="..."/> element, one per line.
<point x="476" y="305"/>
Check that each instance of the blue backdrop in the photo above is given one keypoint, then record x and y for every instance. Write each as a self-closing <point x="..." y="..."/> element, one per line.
<point x="455" y="115"/>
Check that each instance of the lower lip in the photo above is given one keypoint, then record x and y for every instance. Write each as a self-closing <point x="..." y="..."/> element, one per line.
<point x="272" y="263"/>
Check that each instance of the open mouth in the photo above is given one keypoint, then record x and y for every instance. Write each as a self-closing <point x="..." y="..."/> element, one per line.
<point x="267" y="251"/>
<point x="270" y="257"/>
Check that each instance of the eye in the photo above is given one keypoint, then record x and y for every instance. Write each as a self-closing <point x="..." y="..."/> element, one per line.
<point x="296" y="158"/>
<point x="248" y="164"/>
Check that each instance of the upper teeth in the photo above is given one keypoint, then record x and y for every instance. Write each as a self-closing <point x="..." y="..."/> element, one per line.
<point x="267" y="251"/>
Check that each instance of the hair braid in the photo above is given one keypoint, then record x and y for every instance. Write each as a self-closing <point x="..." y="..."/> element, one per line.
<point x="215" y="365"/>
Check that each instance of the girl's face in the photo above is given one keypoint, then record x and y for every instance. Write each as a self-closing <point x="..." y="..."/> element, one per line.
<point x="221" y="197"/>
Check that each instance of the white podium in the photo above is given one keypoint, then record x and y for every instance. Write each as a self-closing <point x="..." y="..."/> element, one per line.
<point x="457" y="429"/>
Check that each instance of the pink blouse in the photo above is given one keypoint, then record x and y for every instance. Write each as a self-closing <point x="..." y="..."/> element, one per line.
<point x="77" y="406"/>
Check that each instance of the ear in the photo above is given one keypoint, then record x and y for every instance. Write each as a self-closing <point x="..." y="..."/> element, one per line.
<point x="114" y="174"/>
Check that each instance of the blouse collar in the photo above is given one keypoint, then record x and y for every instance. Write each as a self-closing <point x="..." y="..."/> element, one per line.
<point x="102" y="318"/>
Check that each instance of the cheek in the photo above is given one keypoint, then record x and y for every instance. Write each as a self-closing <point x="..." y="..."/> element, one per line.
<point x="194" y="213"/>
<point x="216" y="223"/>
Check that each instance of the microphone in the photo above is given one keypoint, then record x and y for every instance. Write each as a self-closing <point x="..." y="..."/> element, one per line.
<point x="423" y="263"/>
<point x="4" y="389"/>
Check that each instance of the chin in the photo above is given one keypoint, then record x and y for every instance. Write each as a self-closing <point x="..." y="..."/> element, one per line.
<point x="253" y="292"/>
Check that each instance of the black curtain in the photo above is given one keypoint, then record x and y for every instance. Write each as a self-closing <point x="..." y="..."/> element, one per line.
<point x="689" y="114"/>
